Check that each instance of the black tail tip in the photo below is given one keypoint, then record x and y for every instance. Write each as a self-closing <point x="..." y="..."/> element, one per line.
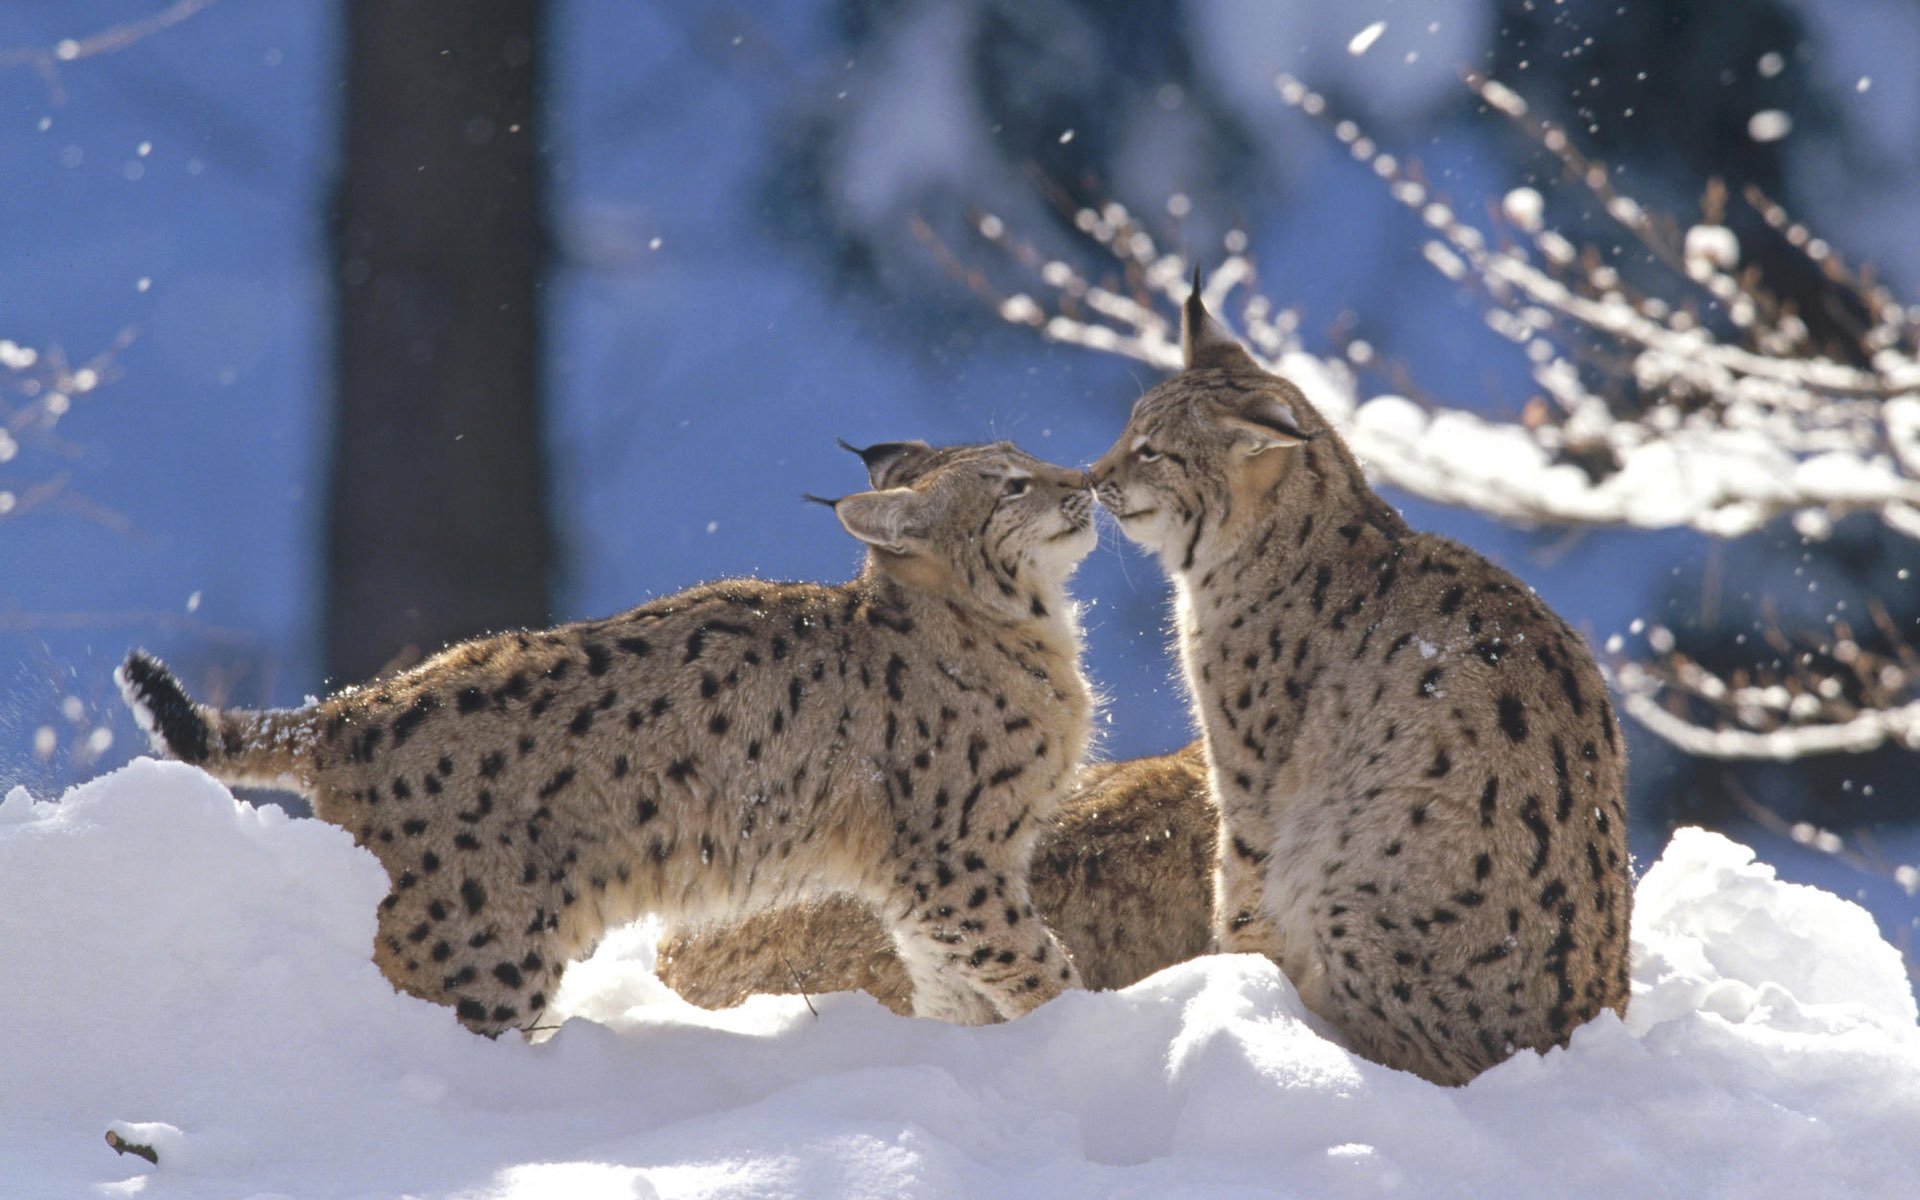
<point x="161" y="707"/>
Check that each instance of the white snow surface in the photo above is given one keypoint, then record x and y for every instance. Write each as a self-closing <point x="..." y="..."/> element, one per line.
<point x="194" y="973"/>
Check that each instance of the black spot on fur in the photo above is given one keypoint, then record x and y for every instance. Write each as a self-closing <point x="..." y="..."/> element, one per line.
<point x="598" y="659"/>
<point x="473" y="895"/>
<point x="1536" y="823"/>
<point x="1513" y="717"/>
<point x="407" y="722"/>
<point x="367" y="743"/>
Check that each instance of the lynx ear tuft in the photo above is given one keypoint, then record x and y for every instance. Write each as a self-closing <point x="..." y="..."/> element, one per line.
<point x="1204" y="343"/>
<point x="885" y="459"/>
<point x="892" y="520"/>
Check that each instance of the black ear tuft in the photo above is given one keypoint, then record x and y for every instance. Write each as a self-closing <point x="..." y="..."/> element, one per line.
<point x="1204" y="343"/>
<point x="884" y="459"/>
<point x="810" y="497"/>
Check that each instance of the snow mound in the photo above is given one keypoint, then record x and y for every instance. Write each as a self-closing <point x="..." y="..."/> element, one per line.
<point x="185" y="968"/>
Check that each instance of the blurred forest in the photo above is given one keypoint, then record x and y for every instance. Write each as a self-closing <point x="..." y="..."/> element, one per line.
<point x="755" y="229"/>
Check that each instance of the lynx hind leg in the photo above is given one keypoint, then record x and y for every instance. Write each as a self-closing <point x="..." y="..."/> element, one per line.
<point x="834" y="944"/>
<point x="493" y="955"/>
<point x="979" y="938"/>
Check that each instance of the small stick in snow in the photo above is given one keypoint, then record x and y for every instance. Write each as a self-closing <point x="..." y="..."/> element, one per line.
<point x="123" y="1146"/>
<point x="799" y="985"/>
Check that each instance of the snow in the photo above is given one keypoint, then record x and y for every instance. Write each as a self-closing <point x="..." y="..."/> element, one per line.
<point x="216" y="1001"/>
<point x="1363" y="41"/>
<point x="1523" y="206"/>
<point x="1769" y="125"/>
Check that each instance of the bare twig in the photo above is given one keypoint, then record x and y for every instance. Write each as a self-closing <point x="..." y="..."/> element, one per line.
<point x="799" y="985"/>
<point x="46" y="60"/>
<point x="123" y="1146"/>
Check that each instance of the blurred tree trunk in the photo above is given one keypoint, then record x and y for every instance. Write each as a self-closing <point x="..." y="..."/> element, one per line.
<point x="437" y="520"/>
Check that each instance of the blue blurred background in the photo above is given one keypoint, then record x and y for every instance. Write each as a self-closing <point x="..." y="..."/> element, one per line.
<point x="737" y="282"/>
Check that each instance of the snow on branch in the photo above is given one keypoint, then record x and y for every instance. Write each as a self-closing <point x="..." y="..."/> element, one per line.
<point x="36" y="390"/>
<point x="1651" y="415"/>
<point x="1692" y="399"/>
<point x="1835" y="695"/>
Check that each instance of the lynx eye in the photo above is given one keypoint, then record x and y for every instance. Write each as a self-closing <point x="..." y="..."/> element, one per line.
<point x="1147" y="454"/>
<point x="1015" y="486"/>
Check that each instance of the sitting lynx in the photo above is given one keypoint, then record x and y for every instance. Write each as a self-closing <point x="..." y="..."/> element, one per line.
<point x="1120" y="875"/>
<point x="900" y="737"/>
<point x="1418" y="773"/>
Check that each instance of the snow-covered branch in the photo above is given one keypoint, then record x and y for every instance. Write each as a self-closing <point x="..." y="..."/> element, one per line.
<point x="36" y="390"/>
<point x="1837" y="695"/>
<point x="1695" y="398"/>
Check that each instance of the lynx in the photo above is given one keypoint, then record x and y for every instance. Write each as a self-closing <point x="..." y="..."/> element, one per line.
<point x="1120" y="875"/>
<point x="740" y="745"/>
<point x="1419" y="778"/>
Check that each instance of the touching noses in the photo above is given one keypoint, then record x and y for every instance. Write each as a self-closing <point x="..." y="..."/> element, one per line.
<point x="1098" y="473"/>
<point x="1072" y="480"/>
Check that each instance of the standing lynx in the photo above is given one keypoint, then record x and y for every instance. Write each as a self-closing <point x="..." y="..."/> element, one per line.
<point x="736" y="746"/>
<point x="1118" y="874"/>
<point x="1418" y="773"/>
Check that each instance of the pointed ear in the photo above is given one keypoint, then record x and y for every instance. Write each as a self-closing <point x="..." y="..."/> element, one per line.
<point x="1204" y="343"/>
<point x="884" y="459"/>
<point x="891" y="520"/>
<point x="1261" y="422"/>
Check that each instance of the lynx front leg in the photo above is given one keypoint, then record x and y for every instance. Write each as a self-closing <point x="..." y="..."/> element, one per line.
<point x="977" y="953"/>
<point x="1243" y="924"/>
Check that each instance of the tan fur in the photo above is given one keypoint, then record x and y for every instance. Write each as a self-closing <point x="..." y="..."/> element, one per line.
<point x="737" y="746"/>
<point x="1121" y="875"/>
<point x="1419" y="776"/>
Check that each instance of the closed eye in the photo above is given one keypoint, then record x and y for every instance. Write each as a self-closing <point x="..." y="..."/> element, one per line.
<point x="1147" y="454"/>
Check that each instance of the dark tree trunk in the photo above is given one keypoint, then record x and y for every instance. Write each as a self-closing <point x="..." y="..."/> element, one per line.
<point x="437" y="521"/>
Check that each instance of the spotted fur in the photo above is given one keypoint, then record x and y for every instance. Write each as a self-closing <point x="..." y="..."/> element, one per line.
<point x="1120" y="875"/>
<point x="900" y="737"/>
<point x="1419" y="776"/>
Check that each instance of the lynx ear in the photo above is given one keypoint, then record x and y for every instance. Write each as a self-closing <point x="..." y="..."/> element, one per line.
<point x="892" y="520"/>
<point x="1262" y="423"/>
<point x="884" y="458"/>
<point x="1204" y="342"/>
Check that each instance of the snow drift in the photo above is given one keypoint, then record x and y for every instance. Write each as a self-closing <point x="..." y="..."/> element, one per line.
<point x="193" y="973"/>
